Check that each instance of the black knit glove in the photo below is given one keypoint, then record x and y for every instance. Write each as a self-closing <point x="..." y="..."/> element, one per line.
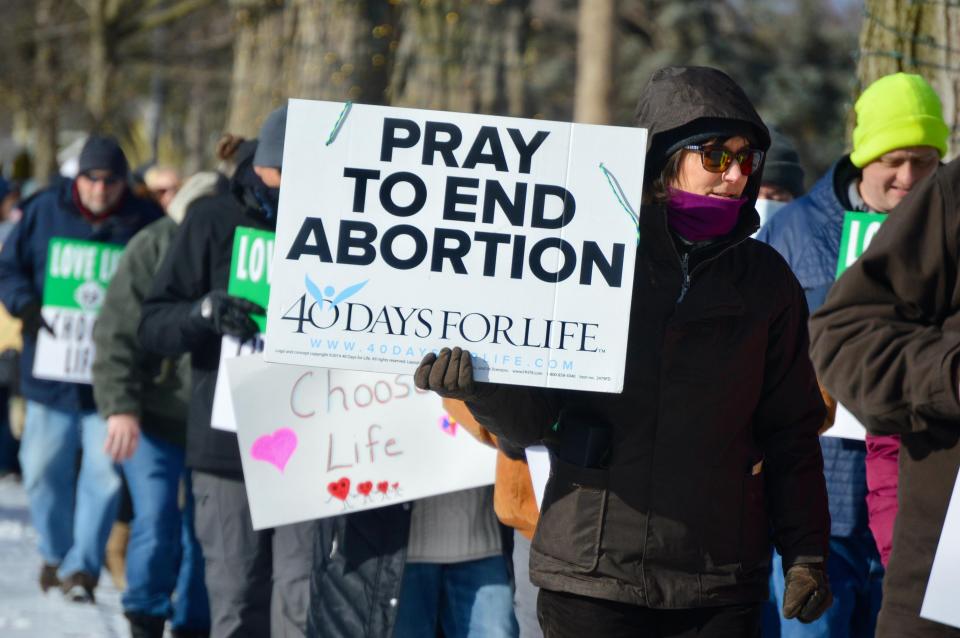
<point x="806" y="593"/>
<point x="226" y="315"/>
<point x="32" y="320"/>
<point x="450" y="374"/>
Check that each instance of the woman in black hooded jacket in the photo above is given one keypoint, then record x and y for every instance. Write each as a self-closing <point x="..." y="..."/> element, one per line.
<point x="663" y="500"/>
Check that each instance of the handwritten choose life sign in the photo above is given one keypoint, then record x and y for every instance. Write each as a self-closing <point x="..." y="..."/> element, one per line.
<point x="402" y="231"/>
<point x="317" y="442"/>
<point x="75" y="285"/>
<point x="858" y="231"/>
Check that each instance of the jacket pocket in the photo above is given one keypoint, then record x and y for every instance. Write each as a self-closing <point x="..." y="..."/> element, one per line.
<point x="571" y="516"/>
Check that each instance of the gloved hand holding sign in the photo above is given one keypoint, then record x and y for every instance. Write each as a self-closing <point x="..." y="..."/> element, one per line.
<point x="227" y="315"/>
<point x="450" y="374"/>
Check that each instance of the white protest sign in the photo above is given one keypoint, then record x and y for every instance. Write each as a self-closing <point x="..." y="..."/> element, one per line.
<point x="221" y="415"/>
<point x="249" y="279"/>
<point x="402" y="231"/>
<point x="75" y="285"/>
<point x="940" y="600"/>
<point x="846" y="426"/>
<point x="319" y="442"/>
<point x="538" y="461"/>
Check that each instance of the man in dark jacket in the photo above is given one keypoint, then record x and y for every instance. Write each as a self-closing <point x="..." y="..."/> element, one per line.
<point x="144" y="401"/>
<point x="711" y="446"/>
<point x="189" y="310"/>
<point x="61" y="418"/>
<point x="899" y="139"/>
<point x="886" y="344"/>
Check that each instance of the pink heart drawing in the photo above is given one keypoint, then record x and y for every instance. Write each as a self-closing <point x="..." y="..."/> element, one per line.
<point x="448" y="425"/>
<point x="276" y="449"/>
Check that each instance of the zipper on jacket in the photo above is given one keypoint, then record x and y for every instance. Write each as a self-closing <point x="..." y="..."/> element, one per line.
<point x="685" y="271"/>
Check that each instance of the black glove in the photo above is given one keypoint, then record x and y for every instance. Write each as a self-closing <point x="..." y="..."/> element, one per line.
<point x="449" y="375"/>
<point x="806" y="594"/>
<point x="226" y="315"/>
<point x="33" y="320"/>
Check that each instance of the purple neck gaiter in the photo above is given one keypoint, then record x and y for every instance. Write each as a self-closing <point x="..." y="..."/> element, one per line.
<point x="700" y="217"/>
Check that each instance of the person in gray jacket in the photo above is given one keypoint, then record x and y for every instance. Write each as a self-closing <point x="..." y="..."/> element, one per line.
<point x="143" y="399"/>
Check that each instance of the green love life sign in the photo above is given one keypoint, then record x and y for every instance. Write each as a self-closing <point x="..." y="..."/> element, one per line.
<point x="250" y="268"/>
<point x="858" y="232"/>
<point x="78" y="273"/>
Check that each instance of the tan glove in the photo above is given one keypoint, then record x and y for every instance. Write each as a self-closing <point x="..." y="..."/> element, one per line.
<point x="806" y="594"/>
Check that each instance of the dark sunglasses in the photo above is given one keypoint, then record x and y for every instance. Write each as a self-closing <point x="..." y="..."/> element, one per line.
<point x="717" y="159"/>
<point x="109" y="180"/>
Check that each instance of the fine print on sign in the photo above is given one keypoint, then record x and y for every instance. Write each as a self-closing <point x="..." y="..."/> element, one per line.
<point x="75" y="285"/>
<point x="403" y="231"/>
<point x="319" y="442"/>
<point x="858" y="231"/>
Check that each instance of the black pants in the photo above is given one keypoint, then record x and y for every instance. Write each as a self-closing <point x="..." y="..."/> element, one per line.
<point x="570" y="616"/>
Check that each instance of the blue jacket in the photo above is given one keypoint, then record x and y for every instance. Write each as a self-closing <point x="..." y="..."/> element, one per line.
<point x="807" y="233"/>
<point x="23" y="264"/>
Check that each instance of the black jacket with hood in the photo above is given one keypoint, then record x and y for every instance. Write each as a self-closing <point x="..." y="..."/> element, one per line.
<point x="197" y="262"/>
<point x="714" y="450"/>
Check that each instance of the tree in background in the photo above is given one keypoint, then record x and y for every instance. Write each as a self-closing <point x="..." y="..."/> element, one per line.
<point x="593" y="92"/>
<point x="312" y="49"/>
<point x="914" y="37"/>
<point x="461" y="55"/>
<point x="179" y="72"/>
<point x="794" y="58"/>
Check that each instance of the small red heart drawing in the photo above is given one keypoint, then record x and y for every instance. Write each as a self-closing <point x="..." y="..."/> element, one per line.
<point x="365" y="487"/>
<point x="448" y="425"/>
<point x="383" y="486"/>
<point x="339" y="489"/>
<point x="395" y="485"/>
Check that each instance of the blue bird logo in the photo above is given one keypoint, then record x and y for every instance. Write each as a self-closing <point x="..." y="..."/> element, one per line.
<point x="330" y="294"/>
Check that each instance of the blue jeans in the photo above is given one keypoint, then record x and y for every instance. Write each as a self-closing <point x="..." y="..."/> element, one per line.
<point x="469" y="599"/>
<point x="856" y="579"/>
<point x="72" y="513"/>
<point x="163" y="555"/>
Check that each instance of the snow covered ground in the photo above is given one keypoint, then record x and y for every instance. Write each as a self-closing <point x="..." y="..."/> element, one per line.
<point x="24" y="610"/>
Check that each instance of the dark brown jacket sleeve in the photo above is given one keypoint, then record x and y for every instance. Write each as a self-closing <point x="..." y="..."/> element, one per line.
<point x="521" y="415"/>
<point x="886" y="341"/>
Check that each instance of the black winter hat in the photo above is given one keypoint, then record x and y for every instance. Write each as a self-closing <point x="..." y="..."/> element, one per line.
<point x="782" y="165"/>
<point x="103" y="153"/>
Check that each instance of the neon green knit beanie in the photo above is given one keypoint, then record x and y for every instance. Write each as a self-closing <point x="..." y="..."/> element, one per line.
<point x="897" y="111"/>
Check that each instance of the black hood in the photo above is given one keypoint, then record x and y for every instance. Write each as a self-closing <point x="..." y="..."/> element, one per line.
<point x="258" y="201"/>
<point x="682" y="102"/>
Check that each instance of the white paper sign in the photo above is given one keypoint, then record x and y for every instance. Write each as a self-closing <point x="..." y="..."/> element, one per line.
<point x="318" y="442"/>
<point x="846" y="426"/>
<point x="538" y="460"/>
<point x="68" y="356"/>
<point x="940" y="602"/>
<point x="222" y="416"/>
<point x="403" y="231"/>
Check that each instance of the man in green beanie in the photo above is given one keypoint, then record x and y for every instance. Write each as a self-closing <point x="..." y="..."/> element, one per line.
<point x="899" y="140"/>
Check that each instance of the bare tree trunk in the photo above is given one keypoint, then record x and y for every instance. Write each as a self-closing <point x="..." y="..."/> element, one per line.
<point x="593" y="95"/>
<point x="340" y="49"/>
<point x="914" y="37"/>
<point x="198" y="153"/>
<point x="99" y="65"/>
<point x="259" y="66"/>
<point x="460" y="55"/>
<point x="46" y="120"/>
